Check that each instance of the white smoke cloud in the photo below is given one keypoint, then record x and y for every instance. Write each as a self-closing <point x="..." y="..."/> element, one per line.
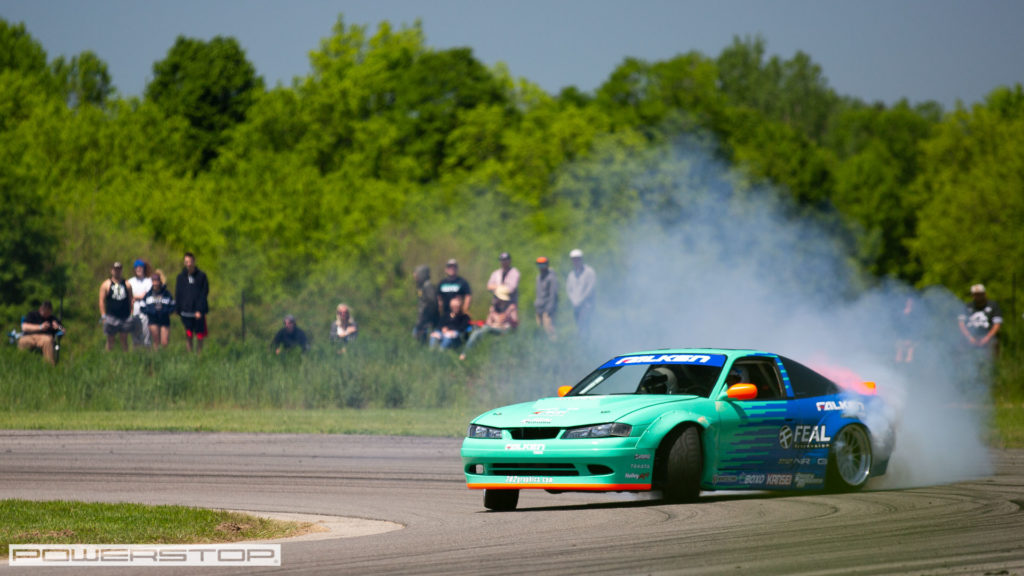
<point x="736" y="267"/>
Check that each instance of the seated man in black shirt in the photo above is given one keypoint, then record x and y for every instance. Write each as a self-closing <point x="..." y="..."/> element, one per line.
<point x="38" y="330"/>
<point x="291" y="336"/>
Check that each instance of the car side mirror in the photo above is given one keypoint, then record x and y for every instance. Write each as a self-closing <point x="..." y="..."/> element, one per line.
<point x="563" y="390"/>
<point x="742" y="391"/>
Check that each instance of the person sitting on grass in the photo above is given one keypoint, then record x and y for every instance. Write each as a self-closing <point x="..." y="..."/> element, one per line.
<point x="291" y="336"/>
<point x="502" y="318"/>
<point x="454" y="325"/>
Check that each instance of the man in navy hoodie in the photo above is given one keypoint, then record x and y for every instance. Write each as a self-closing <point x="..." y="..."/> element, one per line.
<point x="191" y="293"/>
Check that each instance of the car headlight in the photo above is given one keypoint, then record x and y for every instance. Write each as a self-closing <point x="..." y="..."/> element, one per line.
<point x="598" y="431"/>
<point x="478" y="431"/>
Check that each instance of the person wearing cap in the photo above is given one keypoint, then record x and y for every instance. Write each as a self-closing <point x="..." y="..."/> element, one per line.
<point x="140" y="283"/>
<point x="981" y="320"/>
<point x="502" y="318"/>
<point x="507" y="276"/>
<point x="427" y="317"/>
<point x="545" y="303"/>
<point x="116" y="307"/>
<point x="192" y="291"/>
<point x="581" y="286"/>
<point x="288" y="337"/>
<point x="453" y="285"/>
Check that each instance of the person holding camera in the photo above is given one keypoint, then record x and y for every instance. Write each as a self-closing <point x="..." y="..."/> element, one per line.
<point x="39" y="329"/>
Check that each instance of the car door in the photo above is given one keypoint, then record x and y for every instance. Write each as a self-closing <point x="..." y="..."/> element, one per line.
<point x="755" y="437"/>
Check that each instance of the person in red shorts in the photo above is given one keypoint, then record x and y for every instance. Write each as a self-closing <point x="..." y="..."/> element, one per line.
<point x="191" y="292"/>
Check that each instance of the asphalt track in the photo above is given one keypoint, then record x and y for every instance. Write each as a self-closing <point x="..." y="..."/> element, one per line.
<point x="972" y="527"/>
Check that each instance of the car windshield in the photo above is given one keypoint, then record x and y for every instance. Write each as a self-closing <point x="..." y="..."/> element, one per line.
<point x="650" y="378"/>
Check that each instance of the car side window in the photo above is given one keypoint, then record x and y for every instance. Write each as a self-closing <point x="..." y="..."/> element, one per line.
<point x="762" y="373"/>
<point x="807" y="383"/>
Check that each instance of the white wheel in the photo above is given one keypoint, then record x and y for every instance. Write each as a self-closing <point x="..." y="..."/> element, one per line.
<point x="849" y="462"/>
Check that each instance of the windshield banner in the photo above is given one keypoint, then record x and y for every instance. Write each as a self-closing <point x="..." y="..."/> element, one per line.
<point x="698" y="359"/>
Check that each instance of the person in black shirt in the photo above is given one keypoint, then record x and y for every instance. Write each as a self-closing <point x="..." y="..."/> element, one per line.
<point x="453" y="285"/>
<point x="454" y="326"/>
<point x="192" y="291"/>
<point x="981" y="320"/>
<point x="116" y="307"/>
<point x="291" y="336"/>
<point x="39" y="328"/>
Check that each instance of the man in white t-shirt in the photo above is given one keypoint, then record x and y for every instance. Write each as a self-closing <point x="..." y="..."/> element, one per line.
<point x="141" y="284"/>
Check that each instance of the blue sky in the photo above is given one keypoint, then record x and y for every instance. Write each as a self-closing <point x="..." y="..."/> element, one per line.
<point x="941" y="50"/>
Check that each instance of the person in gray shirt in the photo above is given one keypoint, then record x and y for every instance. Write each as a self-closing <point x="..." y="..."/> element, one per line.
<point x="581" y="285"/>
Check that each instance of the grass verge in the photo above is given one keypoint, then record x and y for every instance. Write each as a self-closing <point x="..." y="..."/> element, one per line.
<point x="394" y="422"/>
<point x="70" y="522"/>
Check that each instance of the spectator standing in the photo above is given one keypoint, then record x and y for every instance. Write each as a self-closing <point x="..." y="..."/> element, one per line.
<point x="288" y="337"/>
<point x="546" y="301"/>
<point x="502" y="318"/>
<point x="981" y="321"/>
<point x="453" y="327"/>
<point x="141" y="282"/>
<point x="427" y="318"/>
<point x="506" y="276"/>
<point x="157" y="307"/>
<point x="192" y="291"/>
<point x="39" y="330"/>
<point x="580" y="286"/>
<point x="116" y="307"/>
<point x="453" y="285"/>
<point x="344" y="328"/>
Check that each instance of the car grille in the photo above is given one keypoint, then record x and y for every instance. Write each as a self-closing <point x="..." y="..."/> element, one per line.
<point x="531" y="469"/>
<point x="533" y="433"/>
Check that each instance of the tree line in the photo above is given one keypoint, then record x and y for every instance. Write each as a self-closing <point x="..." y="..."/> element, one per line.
<point x="390" y="153"/>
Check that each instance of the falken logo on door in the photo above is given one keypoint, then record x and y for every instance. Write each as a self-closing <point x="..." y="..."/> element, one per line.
<point x="523" y="447"/>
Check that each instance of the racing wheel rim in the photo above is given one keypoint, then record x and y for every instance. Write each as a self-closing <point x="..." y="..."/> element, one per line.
<point x="853" y="455"/>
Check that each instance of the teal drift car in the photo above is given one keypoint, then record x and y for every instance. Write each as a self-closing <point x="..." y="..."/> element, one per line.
<point x="682" y="421"/>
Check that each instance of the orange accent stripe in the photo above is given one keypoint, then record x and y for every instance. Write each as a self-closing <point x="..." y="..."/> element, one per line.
<point x="595" y="487"/>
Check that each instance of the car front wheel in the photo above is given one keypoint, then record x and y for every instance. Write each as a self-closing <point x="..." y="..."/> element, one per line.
<point x="849" y="460"/>
<point x="683" y="467"/>
<point x="501" y="500"/>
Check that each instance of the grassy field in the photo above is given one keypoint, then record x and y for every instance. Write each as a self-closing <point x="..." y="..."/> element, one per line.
<point x="394" y="422"/>
<point x="379" y="387"/>
<point x="69" y="522"/>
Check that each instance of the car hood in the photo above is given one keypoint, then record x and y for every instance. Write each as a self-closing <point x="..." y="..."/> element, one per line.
<point x="573" y="411"/>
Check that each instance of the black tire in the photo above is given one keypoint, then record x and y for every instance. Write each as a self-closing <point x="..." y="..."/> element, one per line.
<point x="683" y="467"/>
<point x="501" y="500"/>
<point x="849" y="460"/>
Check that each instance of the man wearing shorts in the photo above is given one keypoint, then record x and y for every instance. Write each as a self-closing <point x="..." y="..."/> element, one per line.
<point x="116" y="307"/>
<point x="191" y="293"/>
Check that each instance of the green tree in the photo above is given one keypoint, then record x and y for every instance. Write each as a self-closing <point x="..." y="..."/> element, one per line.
<point x="84" y="79"/>
<point x="971" y="187"/>
<point x="210" y="84"/>
<point x="20" y="51"/>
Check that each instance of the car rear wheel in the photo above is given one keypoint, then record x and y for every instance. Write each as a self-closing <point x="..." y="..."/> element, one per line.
<point x="849" y="461"/>
<point x="501" y="500"/>
<point x="683" y="467"/>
